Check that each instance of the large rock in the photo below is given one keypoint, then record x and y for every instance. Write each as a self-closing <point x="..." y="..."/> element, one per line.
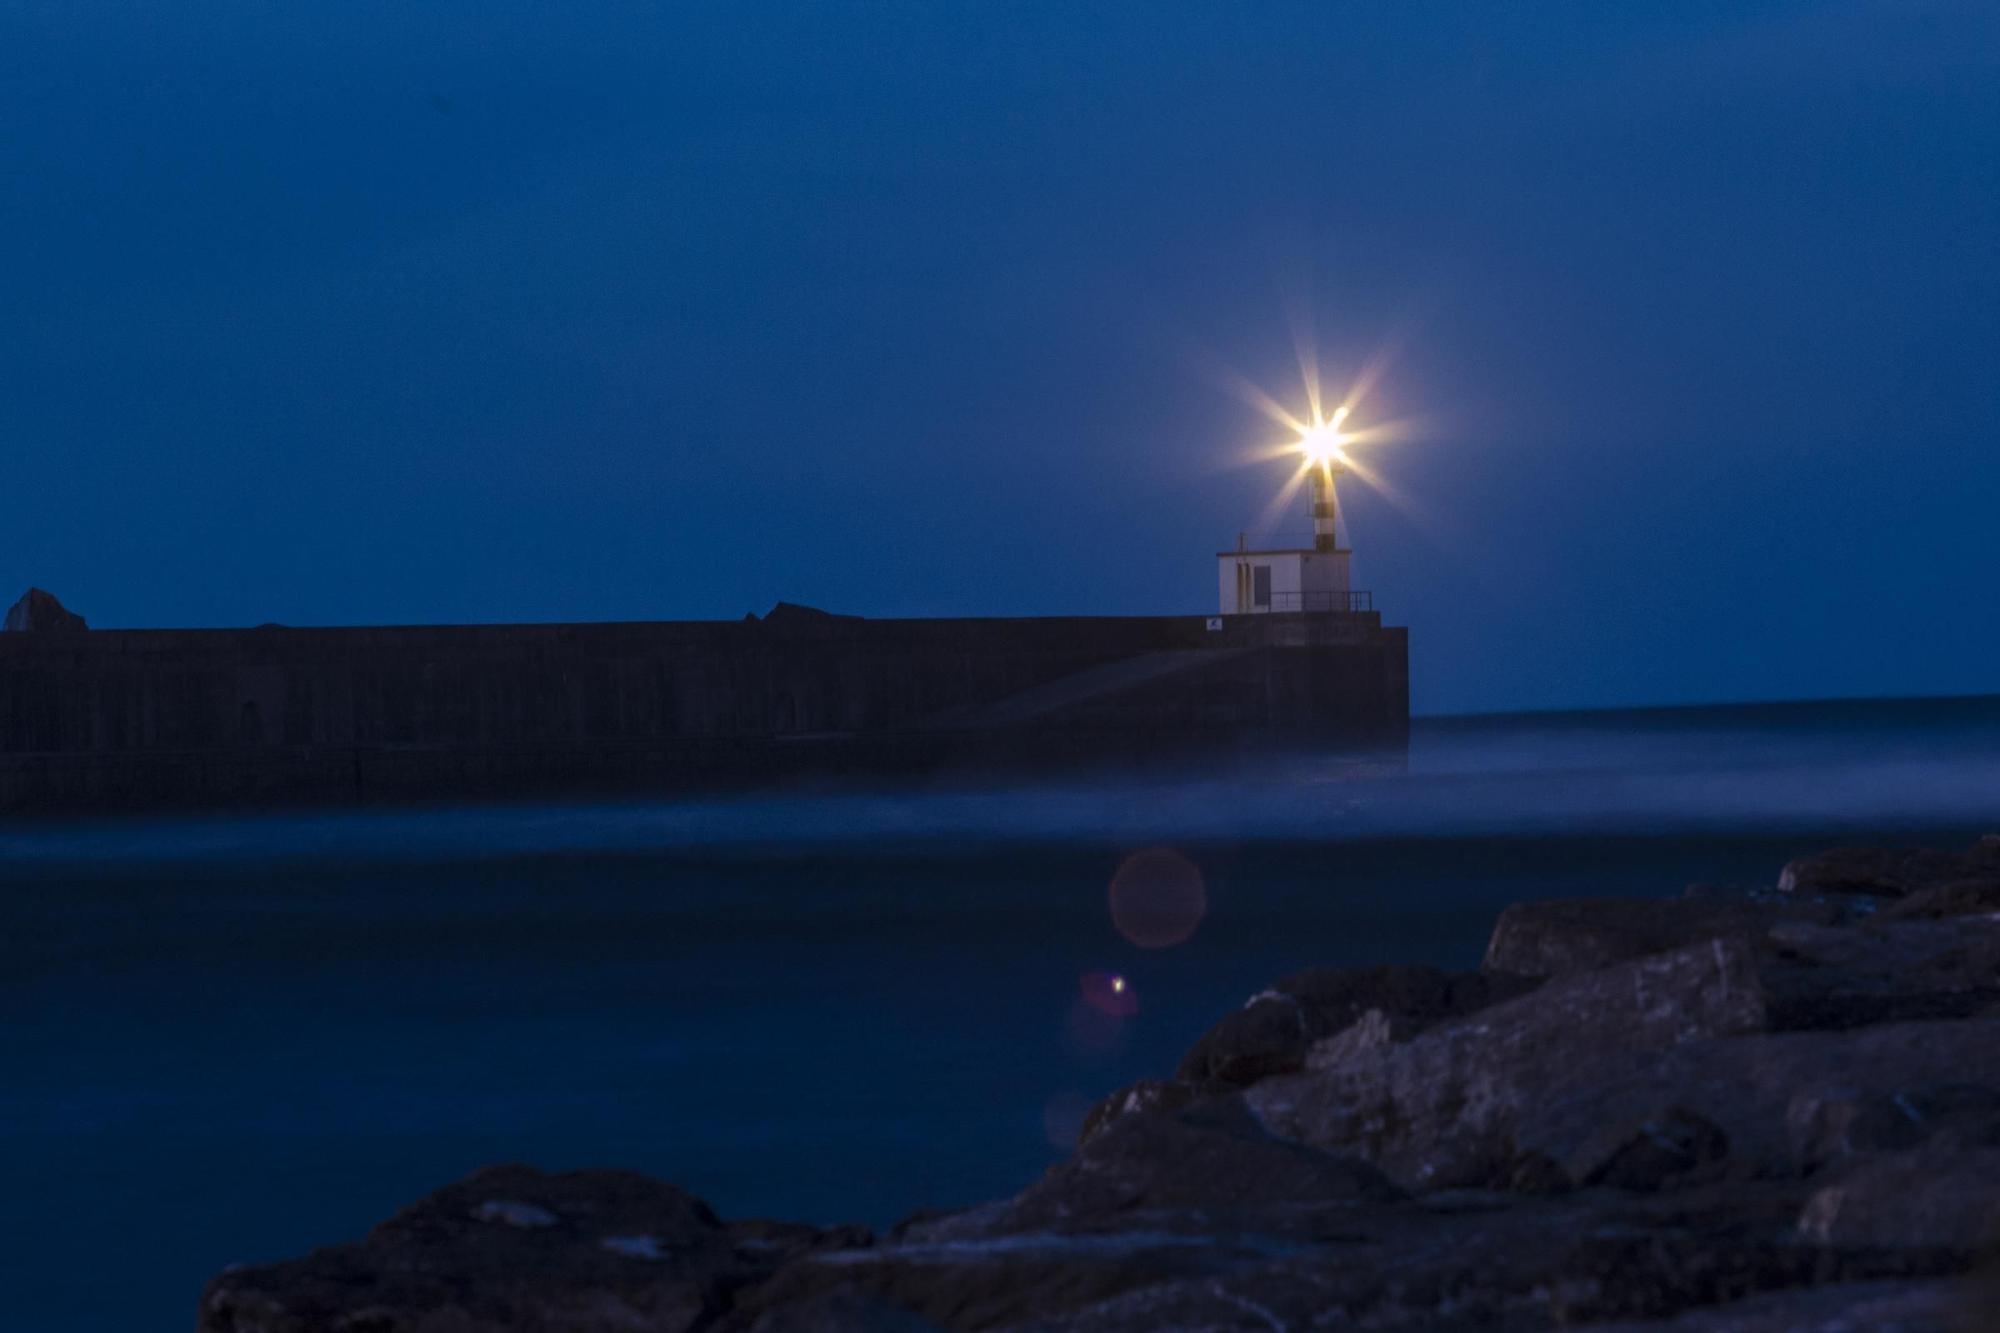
<point x="1884" y="871"/>
<point x="506" y="1250"/>
<point x="1957" y="897"/>
<point x="1483" y="1264"/>
<point x="1830" y="1122"/>
<point x="1273" y="1032"/>
<point x="1928" y="1306"/>
<point x="774" y="1242"/>
<point x="1214" y="1158"/>
<point x="1148" y="1094"/>
<point x="1661" y="1066"/>
<point x="1448" y="1107"/>
<point x="1649" y="1152"/>
<point x="1881" y="972"/>
<point x="1310" y="1017"/>
<point x="986" y="1282"/>
<point x="1156" y="1197"/>
<point x="1767" y="1095"/>
<point x="845" y="1309"/>
<point x="40" y="612"/>
<point x="1936" y="1198"/>
<point x="1561" y="936"/>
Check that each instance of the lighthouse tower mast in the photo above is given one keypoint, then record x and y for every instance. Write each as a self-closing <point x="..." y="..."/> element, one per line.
<point x="1300" y="581"/>
<point x="1326" y="508"/>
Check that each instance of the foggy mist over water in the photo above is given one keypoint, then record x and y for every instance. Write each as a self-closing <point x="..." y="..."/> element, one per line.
<point x="1866" y="764"/>
<point x="248" y="1036"/>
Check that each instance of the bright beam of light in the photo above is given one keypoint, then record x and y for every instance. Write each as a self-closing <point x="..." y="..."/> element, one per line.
<point x="1305" y="347"/>
<point x="1324" y="442"/>
<point x="1281" y="502"/>
<point x="1413" y="512"/>
<point x="1262" y="401"/>
<point x="1318" y="438"/>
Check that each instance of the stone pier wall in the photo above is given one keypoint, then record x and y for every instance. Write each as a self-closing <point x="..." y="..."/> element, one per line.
<point x="160" y="717"/>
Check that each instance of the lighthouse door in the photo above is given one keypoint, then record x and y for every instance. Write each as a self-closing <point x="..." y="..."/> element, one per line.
<point x="1260" y="587"/>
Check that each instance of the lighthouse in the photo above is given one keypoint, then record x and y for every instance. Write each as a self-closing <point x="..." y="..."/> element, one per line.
<point x="1298" y="580"/>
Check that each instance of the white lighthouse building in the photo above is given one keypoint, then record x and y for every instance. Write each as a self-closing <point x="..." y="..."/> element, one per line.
<point x="1298" y="580"/>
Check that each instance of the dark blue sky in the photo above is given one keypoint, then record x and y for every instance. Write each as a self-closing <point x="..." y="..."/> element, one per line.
<point x="370" y="312"/>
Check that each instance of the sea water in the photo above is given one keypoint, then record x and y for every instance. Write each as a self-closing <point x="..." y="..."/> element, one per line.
<point x="232" y="1039"/>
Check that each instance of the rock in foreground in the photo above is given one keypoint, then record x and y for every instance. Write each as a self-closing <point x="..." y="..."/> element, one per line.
<point x="1770" y="1113"/>
<point x="510" y="1247"/>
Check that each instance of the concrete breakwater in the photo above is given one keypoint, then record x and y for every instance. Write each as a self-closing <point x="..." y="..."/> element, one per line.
<point x="138" y="718"/>
<point x="1722" y="1113"/>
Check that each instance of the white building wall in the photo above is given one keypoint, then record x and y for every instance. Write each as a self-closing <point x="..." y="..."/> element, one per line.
<point x="1324" y="571"/>
<point x="1315" y="573"/>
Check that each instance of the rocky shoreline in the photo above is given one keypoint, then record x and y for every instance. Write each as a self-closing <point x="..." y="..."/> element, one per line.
<point x="1749" y="1112"/>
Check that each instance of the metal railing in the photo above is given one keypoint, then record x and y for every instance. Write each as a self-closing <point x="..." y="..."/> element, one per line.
<point x="1358" y="600"/>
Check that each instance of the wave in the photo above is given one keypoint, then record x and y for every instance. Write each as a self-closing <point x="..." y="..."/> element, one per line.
<point x="1871" y="766"/>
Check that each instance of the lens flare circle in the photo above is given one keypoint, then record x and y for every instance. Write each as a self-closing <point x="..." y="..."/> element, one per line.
<point x="1157" y="898"/>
